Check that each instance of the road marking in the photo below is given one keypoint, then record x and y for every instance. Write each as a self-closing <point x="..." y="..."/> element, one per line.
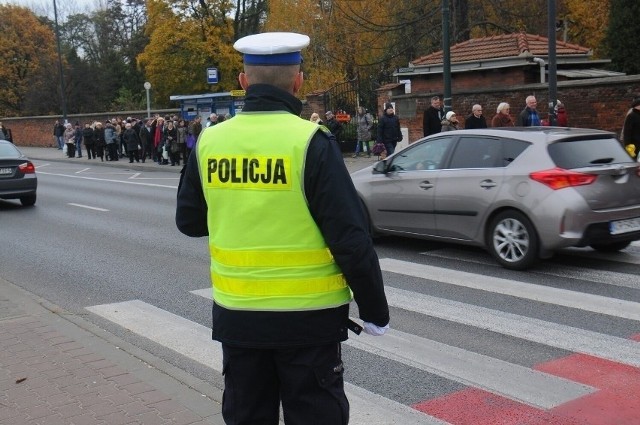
<point x="83" y="170"/>
<point x="535" y="330"/>
<point x="113" y="181"/>
<point x="135" y="175"/>
<point x="88" y="207"/>
<point x="481" y="257"/>
<point x="503" y="378"/>
<point x="572" y="299"/>
<point x="497" y="376"/>
<point x="193" y="340"/>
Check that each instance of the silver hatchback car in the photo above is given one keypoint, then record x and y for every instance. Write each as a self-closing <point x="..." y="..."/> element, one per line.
<point x="521" y="193"/>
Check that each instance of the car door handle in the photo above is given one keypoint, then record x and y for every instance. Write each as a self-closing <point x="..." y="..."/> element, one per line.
<point x="488" y="184"/>
<point x="426" y="185"/>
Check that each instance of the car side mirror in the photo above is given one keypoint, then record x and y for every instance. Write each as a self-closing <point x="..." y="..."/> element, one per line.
<point x="380" y="167"/>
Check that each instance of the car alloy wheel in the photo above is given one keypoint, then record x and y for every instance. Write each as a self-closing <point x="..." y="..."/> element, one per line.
<point x="513" y="240"/>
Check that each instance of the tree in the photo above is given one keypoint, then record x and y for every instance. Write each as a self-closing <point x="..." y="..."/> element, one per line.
<point x="623" y="19"/>
<point x="185" y="38"/>
<point x="27" y="51"/>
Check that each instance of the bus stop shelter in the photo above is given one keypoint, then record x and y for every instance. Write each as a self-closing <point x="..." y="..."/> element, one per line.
<point x="208" y="103"/>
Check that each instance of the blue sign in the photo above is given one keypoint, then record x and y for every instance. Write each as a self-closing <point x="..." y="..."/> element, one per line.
<point x="212" y="75"/>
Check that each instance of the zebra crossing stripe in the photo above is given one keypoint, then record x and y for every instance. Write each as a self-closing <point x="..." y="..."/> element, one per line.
<point x="193" y="340"/>
<point x="165" y="328"/>
<point x="555" y="335"/>
<point x="587" y="302"/>
<point x="497" y="376"/>
<point x="503" y="378"/>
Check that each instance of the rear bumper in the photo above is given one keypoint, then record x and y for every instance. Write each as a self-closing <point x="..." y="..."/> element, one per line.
<point x="16" y="188"/>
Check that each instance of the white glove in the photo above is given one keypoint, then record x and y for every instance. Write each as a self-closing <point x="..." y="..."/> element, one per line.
<point x="375" y="330"/>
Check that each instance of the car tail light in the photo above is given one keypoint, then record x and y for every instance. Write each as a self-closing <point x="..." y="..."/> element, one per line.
<point x="558" y="178"/>
<point x="27" y="168"/>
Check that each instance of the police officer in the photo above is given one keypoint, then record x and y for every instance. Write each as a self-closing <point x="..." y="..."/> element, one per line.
<point x="289" y="245"/>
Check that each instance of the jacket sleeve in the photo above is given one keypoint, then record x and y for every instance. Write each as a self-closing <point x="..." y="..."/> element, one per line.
<point x="191" y="207"/>
<point x="336" y="209"/>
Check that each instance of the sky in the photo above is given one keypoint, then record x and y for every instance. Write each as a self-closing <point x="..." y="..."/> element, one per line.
<point x="64" y="7"/>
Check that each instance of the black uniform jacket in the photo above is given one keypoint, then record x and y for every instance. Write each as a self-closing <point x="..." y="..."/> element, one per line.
<point x="335" y="207"/>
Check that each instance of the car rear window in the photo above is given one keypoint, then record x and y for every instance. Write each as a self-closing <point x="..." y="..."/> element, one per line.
<point x="588" y="152"/>
<point x="9" y="151"/>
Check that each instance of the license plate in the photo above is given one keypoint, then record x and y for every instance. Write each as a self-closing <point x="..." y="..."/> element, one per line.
<point x="6" y="171"/>
<point x="624" y="226"/>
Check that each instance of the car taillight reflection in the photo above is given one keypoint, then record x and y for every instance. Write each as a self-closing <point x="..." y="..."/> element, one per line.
<point x="27" y="168"/>
<point x="558" y="178"/>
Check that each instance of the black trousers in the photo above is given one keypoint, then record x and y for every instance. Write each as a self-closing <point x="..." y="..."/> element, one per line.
<point x="308" y="381"/>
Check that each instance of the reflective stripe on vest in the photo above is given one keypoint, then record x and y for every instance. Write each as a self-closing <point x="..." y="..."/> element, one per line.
<point x="267" y="252"/>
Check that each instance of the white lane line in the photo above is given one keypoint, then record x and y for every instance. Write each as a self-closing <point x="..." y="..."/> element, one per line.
<point x="134" y="176"/>
<point x="193" y="340"/>
<point x="88" y="207"/>
<point x="552" y="334"/>
<point x="41" y="165"/>
<point x="509" y="380"/>
<point x="578" y="300"/>
<point x="83" y="170"/>
<point x="113" y="181"/>
<point x="506" y="379"/>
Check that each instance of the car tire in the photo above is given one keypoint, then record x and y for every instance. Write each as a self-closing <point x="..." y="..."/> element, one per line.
<point x="611" y="247"/>
<point x="512" y="240"/>
<point x="28" y="201"/>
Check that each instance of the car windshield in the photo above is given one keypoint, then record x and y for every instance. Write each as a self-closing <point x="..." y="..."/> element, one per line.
<point x="7" y="150"/>
<point x="587" y="153"/>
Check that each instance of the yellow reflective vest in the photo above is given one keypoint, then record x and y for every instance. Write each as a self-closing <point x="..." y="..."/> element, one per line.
<point x="267" y="253"/>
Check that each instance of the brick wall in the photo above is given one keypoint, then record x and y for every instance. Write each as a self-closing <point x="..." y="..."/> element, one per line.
<point x="595" y="103"/>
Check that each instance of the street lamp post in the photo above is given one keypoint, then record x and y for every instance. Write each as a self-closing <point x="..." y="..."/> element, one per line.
<point x="147" y="86"/>
<point x="62" y="95"/>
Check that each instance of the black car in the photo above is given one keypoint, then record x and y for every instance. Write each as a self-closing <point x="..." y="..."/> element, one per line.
<point x="17" y="175"/>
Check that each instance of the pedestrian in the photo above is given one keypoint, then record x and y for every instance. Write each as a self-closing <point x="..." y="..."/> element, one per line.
<point x="364" y="122"/>
<point x="78" y="139"/>
<point x="450" y="122"/>
<point x="301" y="241"/>
<point x="99" y="140"/>
<point x="315" y="118"/>
<point x="146" y="141"/>
<point x="334" y="126"/>
<point x="631" y="129"/>
<point x="171" y="144"/>
<point x="157" y="132"/>
<point x="110" y="140"/>
<point x="212" y="120"/>
<point x="529" y="116"/>
<point x="432" y="118"/>
<point x="182" y="141"/>
<point x="5" y="133"/>
<point x="389" y="132"/>
<point x="132" y="141"/>
<point x="502" y="117"/>
<point x="58" y="132"/>
<point x="476" y="119"/>
<point x="562" y="120"/>
<point x="89" y="143"/>
<point x="69" y="136"/>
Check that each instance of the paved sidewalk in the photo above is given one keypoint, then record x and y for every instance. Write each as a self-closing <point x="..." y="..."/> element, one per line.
<point x="55" y="369"/>
<point x="53" y="154"/>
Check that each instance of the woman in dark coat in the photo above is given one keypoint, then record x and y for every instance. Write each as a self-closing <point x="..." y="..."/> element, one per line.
<point x="89" y="142"/>
<point x="98" y="137"/>
<point x="132" y="142"/>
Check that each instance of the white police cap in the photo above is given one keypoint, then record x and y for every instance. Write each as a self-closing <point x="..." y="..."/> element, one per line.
<point x="272" y="48"/>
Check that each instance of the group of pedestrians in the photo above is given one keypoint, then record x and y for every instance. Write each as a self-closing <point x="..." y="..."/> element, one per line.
<point x="435" y="120"/>
<point x="165" y="140"/>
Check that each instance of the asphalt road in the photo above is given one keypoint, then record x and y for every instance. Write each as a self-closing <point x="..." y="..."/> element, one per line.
<point x="469" y="337"/>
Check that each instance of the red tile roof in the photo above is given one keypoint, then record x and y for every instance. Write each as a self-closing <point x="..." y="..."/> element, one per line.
<point x="501" y="46"/>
